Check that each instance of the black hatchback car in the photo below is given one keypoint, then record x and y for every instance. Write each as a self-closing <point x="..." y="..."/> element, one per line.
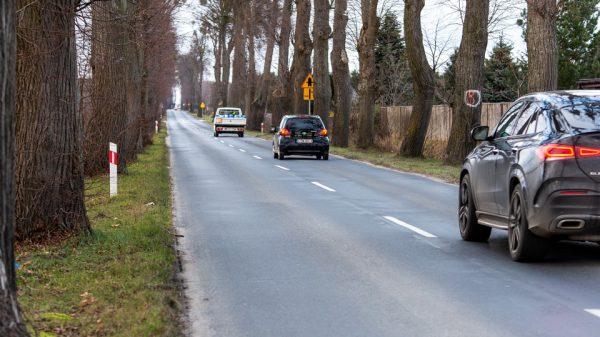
<point x="537" y="174"/>
<point x="304" y="135"/>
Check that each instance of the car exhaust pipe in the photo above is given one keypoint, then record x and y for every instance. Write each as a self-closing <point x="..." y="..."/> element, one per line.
<point x="571" y="224"/>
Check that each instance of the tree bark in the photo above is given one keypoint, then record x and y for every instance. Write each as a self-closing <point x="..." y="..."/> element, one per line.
<point x="423" y="80"/>
<point x="254" y="116"/>
<point x="281" y="95"/>
<point x="469" y="72"/>
<point x="49" y="166"/>
<point x="11" y="323"/>
<point x="341" y="76"/>
<point x="240" y="75"/>
<point x="301" y="61"/>
<point x="321" y="32"/>
<point x="367" y="83"/>
<point x="542" y="47"/>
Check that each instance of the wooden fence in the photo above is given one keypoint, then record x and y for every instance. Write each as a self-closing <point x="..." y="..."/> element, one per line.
<point x="393" y="122"/>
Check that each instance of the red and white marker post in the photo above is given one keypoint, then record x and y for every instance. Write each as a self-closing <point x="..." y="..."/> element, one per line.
<point x="113" y="162"/>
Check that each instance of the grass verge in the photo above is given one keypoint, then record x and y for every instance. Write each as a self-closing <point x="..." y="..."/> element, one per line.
<point x="120" y="280"/>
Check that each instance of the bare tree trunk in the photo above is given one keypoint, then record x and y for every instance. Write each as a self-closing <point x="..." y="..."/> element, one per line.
<point x="240" y="74"/>
<point x="255" y="117"/>
<point x="542" y="47"/>
<point x="281" y="96"/>
<point x="264" y="98"/>
<point x="11" y="323"/>
<point x="423" y="80"/>
<point x="341" y="76"/>
<point x="367" y="86"/>
<point x="301" y="61"/>
<point x="321" y="32"/>
<point x="226" y="72"/>
<point x="469" y="76"/>
<point x="218" y="68"/>
<point x="49" y="166"/>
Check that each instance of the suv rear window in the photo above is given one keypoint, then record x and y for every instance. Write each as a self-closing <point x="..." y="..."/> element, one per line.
<point x="582" y="117"/>
<point x="304" y="124"/>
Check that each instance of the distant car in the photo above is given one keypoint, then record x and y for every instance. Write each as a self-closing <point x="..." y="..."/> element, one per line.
<point x="301" y="135"/>
<point x="536" y="175"/>
<point x="229" y="120"/>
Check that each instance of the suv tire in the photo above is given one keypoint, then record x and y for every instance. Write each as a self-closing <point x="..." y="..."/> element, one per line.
<point x="470" y="229"/>
<point x="522" y="244"/>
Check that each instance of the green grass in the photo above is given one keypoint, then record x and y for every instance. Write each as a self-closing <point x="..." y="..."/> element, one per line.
<point x="429" y="167"/>
<point x="120" y="280"/>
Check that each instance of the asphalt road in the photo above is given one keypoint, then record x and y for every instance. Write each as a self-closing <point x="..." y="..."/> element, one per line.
<point x="311" y="248"/>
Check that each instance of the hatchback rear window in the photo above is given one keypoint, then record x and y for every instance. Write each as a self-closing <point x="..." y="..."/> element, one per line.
<point x="582" y="117"/>
<point x="298" y="124"/>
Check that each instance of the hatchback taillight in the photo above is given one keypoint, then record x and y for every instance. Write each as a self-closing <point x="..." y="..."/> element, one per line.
<point x="323" y="133"/>
<point x="285" y="132"/>
<point x="557" y="151"/>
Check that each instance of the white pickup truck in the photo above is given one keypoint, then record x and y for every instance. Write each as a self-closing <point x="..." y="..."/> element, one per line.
<point x="229" y="120"/>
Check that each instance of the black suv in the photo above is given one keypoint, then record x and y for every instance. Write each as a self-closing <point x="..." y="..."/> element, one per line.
<point x="536" y="175"/>
<point x="301" y="135"/>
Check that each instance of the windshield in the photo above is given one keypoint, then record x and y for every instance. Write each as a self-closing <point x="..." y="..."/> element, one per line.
<point x="297" y="124"/>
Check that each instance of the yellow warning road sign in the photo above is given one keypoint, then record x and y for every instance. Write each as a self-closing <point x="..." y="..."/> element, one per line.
<point x="202" y="105"/>
<point x="309" y="82"/>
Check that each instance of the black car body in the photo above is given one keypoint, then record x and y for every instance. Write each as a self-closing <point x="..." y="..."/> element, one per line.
<point x="536" y="175"/>
<point x="301" y="135"/>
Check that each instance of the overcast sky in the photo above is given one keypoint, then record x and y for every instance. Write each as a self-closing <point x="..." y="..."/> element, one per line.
<point x="439" y="16"/>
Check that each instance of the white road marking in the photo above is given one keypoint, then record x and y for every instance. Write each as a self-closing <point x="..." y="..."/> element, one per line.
<point x="411" y="227"/>
<point x="242" y="150"/>
<point x="222" y="142"/>
<point x="231" y="145"/>
<point x="595" y="312"/>
<point x="257" y="157"/>
<point x="323" y="186"/>
<point x="283" y="168"/>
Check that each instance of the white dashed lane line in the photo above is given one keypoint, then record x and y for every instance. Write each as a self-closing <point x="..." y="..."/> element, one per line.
<point x="242" y="150"/>
<point x="231" y="145"/>
<point x="283" y="168"/>
<point x="222" y="142"/>
<point x="323" y="186"/>
<point x="410" y="227"/>
<point x="595" y="312"/>
<point x="257" y="157"/>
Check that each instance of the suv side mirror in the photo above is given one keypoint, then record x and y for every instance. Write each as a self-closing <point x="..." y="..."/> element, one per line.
<point x="480" y="133"/>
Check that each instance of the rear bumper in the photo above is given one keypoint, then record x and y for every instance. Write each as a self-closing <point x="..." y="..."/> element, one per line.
<point x="290" y="146"/>
<point x="568" y="216"/>
<point x="229" y="128"/>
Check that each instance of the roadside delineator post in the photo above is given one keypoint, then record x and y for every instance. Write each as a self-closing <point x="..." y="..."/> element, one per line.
<point x="112" y="162"/>
<point x="156" y="126"/>
<point x="262" y="127"/>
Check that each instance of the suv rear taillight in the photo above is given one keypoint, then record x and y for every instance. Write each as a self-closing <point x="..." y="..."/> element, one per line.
<point x="557" y="151"/>
<point x="323" y="133"/>
<point x="284" y="132"/>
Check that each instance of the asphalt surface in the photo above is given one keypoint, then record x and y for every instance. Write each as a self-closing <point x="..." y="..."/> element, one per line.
<point x="302" y="247"/>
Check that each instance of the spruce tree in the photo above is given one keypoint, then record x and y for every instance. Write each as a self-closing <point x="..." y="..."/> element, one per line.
<point x="500" y="74"/>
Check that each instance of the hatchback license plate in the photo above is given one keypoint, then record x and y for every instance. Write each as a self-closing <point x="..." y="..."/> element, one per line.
<point x="304" y="141"/>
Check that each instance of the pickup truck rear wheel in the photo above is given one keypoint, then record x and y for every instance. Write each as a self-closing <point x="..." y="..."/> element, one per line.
<point x="241" y="134"/>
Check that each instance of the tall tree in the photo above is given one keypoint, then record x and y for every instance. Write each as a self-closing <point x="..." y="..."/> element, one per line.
<point x="501" y="74"/>
<point x="367" y="85"/>
<point x="394" y="85"/>
<point x="469" y="76"/>
<point x="423" y="80"/>
<point x="576" y="27"/>
<point x="240" y="67"/>
<point x="282" y="94"/>
<point x="542" y="49"/>
<point x="263" y="96"/>
<point x="49" y="166"/>
<point x="11" y="323"/>
<point x="301" y="61"/>
<point x="321" y="32"/>
<point x="341" y="76"/>
<point x="254" y="117"/>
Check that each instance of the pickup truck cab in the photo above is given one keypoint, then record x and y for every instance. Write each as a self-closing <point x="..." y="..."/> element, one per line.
<point x="229" y="120"/>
